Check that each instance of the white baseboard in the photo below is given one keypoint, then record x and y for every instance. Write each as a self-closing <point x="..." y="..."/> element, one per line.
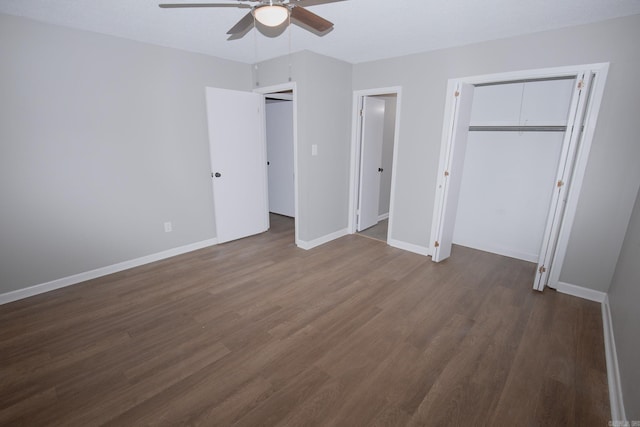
<point x="613" y="372"/>
<point x="580" y="292"/>
<point x="383" y="216"/>
<point x="102" y="271"/>
<point x="322" y="240"/>
<point x="421" y="250"/>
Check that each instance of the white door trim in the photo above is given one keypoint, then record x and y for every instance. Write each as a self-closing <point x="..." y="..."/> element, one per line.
<point x="279" y="88"/>
<point x="600" y="71"/>
<point x="358" y="95"/>
<point x="542" y="73"/>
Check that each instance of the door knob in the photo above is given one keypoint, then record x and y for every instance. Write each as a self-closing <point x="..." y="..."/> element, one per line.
<point x="380" y="169"/>
<point x="217" y="175"/>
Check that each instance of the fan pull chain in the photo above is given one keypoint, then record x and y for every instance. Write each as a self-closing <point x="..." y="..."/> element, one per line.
<point x="289" y="29"/>
<point x="255" y="52"/>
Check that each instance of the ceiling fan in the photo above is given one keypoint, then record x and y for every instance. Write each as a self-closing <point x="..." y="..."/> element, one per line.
<point x="270" y="13"/>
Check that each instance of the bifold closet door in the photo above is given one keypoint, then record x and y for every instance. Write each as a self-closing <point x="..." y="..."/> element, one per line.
<point x="562" y="184"/>
<point x="450" y="172"/>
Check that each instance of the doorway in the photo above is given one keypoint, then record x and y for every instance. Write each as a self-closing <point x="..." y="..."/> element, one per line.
<point x="280" y="104"/>
<point x="279" y="137"/>
<point x="588" y="87"/>
<point x="374" y="143"/>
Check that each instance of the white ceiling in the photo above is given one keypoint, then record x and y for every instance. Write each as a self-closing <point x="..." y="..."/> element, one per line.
<point x="364" y="30"/>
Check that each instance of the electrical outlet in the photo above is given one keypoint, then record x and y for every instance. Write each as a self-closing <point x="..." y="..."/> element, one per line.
<point x="314" y="149"/>
<point x="168" y="227"/>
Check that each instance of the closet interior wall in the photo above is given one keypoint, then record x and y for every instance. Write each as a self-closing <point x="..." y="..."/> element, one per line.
<point x="513" y="149"/>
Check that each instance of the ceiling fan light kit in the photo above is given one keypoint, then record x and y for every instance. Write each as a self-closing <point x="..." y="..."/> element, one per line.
<point x="270" y="15"/>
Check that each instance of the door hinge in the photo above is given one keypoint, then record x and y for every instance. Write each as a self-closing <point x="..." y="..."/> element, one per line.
<point x="456" y="93"/>
<point x="446" y="173"/>
<point x="361" y="113"/>
<point x="542" y="269"/>
<point x="560" y="183"/>
<point x="436" y="244"/>
<point x="580" y="83"/>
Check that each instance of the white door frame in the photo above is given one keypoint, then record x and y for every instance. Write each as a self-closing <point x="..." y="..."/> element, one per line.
<point x="354" y="179"/>
<point x="279" y="88"/>
<point x="600" y="72"/>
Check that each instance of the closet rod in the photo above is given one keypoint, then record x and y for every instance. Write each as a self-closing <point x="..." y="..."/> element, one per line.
<point x="534" y="80"/>
<point x="518" y="128"/>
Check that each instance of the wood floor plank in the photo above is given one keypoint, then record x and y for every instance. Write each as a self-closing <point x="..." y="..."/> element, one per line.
<point x="260" y="332"/>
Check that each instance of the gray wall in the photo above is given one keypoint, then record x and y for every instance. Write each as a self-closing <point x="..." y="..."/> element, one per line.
<point x="324" y="118"/>
<point x="624" y="299"/>
<point x="102" y="141"/>
<point x="612" y="177"/>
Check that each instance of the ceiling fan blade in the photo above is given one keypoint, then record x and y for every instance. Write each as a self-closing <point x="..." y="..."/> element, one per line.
<point x="191" y="5"/>
<point x="306" y="3"/>
<point x="238" y="36"/>
<point x="243" y="26"/>
<point x="310" y="19"/>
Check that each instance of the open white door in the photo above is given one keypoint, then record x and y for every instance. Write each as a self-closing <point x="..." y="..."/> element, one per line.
<point x="238" y="163"/>
<point x="450" y="173"/>
<point x="571" y="142"/>
<point x="370" y="161"/>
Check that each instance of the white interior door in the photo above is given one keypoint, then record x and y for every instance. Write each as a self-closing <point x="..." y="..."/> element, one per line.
<point x="370" y="161"/>
<point x="238" y="162"/>
<point x="563" y="181"/>
<point x="450" y="173"/>
<point x="279" y="125"/>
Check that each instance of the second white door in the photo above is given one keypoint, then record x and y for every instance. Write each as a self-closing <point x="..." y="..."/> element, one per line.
<point x="370" y="161"/>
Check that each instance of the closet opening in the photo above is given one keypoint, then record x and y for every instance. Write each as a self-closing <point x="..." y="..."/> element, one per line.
<point x="281" y="148"/>
<point x="511" y="160"/>
<point x="513" y="156"/>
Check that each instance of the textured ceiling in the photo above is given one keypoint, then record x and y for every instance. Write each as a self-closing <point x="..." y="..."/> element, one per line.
<point x="364" y="30"/>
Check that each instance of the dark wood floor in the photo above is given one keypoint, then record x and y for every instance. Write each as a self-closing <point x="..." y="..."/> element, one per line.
<point x="259" y="332"/>
<point x="378" y="231"/>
